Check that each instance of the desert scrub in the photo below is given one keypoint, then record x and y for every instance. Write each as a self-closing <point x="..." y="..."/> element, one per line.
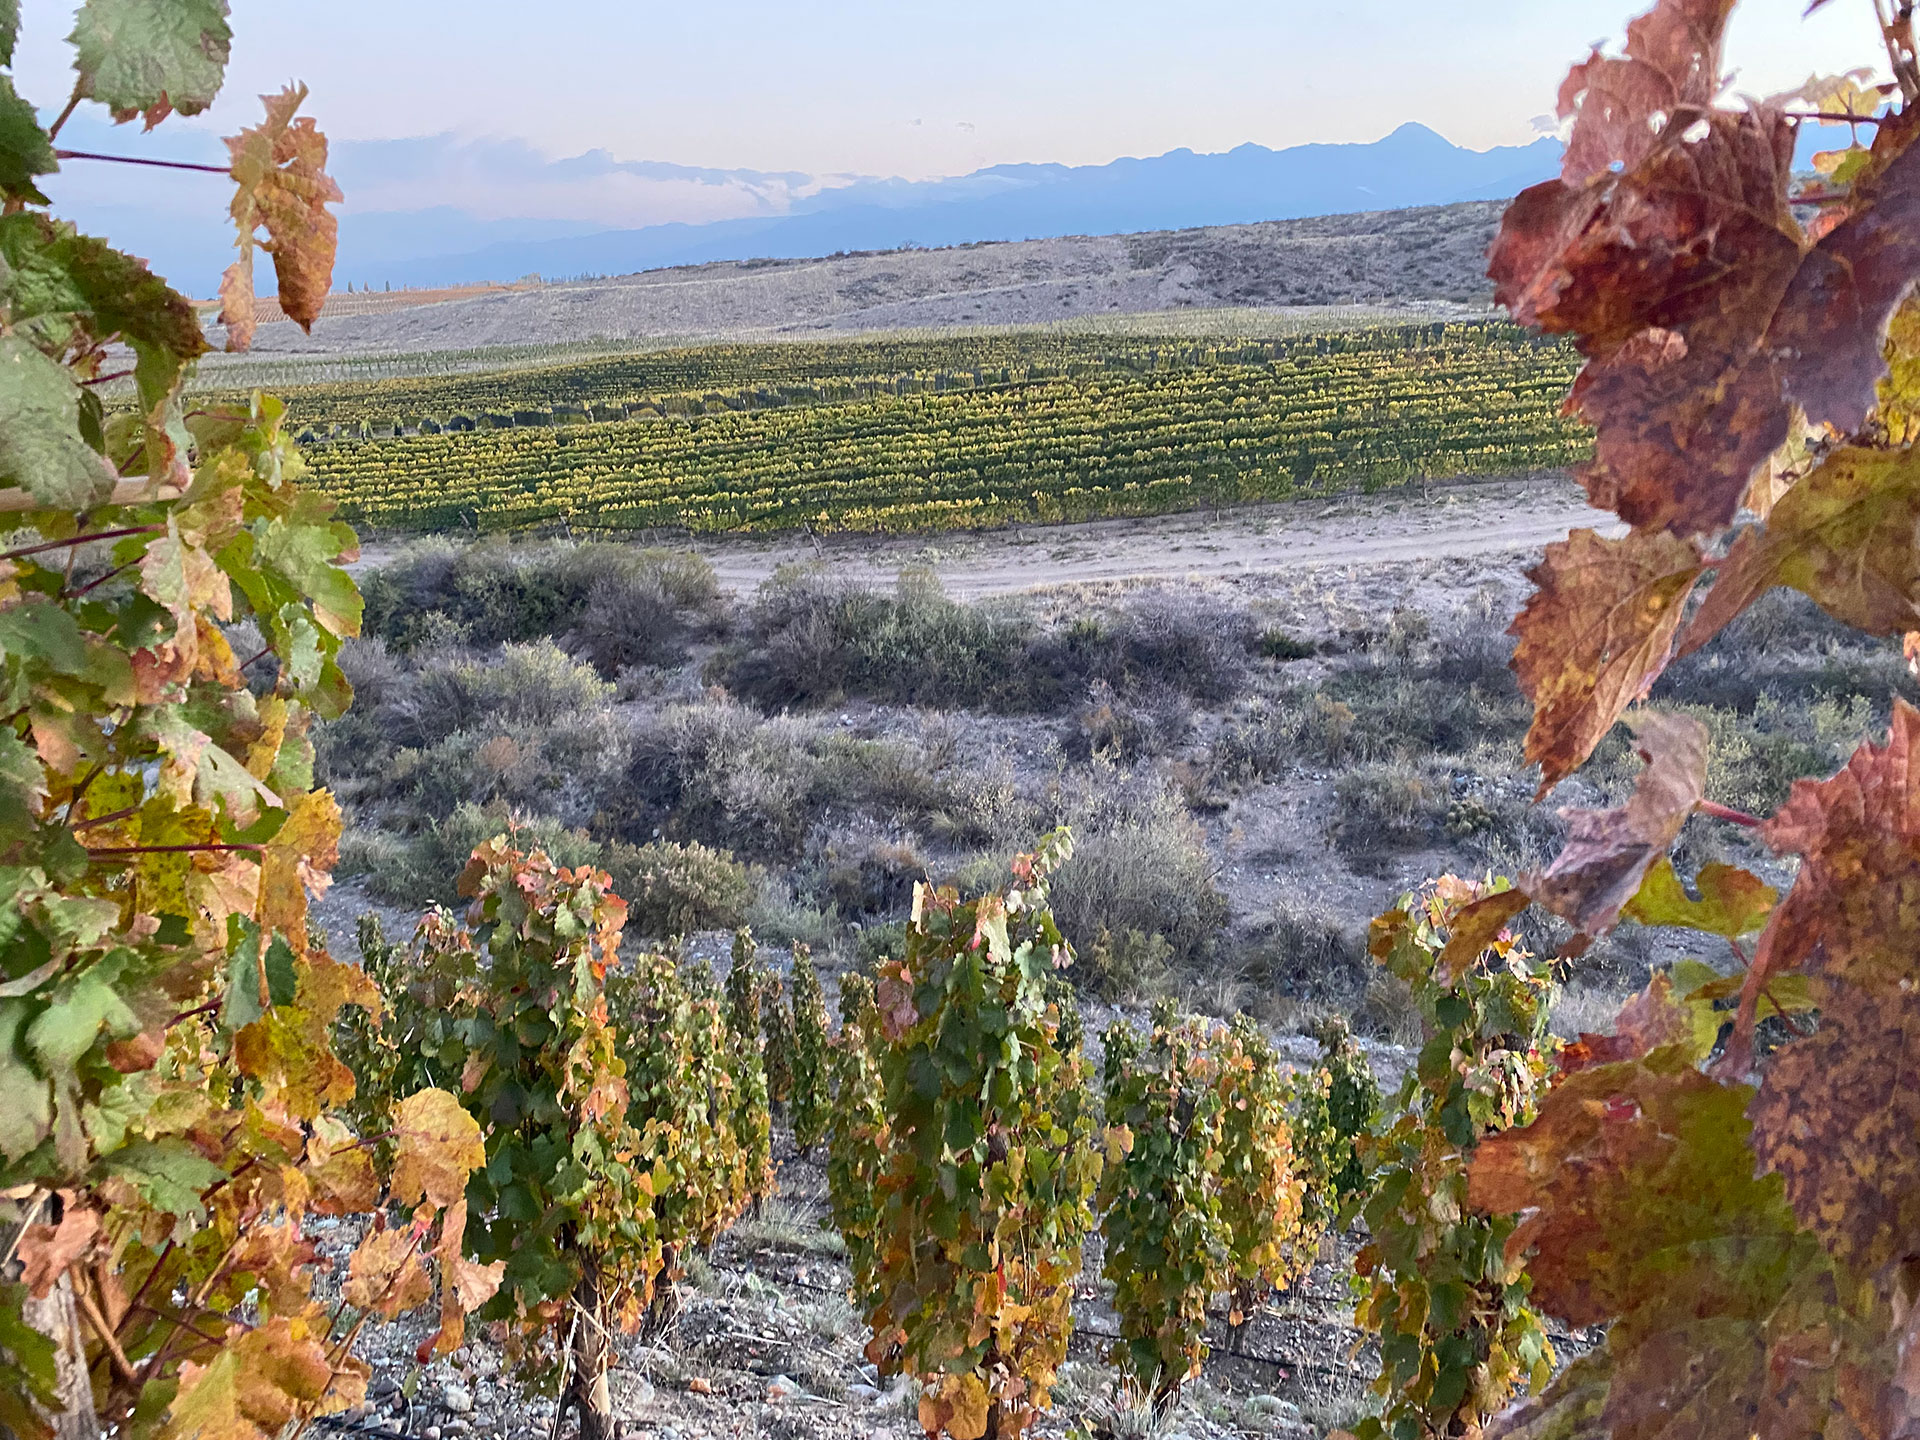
<point x="1384" y="807"/>
<point x="1140" y="863"/>
<point x="673" y="890"/>
<point x="1305" y="950"/>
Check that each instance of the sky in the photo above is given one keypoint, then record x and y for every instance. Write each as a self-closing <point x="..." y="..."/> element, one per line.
<point x="918" y="89"/>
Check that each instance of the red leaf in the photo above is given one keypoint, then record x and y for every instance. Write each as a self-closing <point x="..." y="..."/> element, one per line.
<point x="1608" y="852"/>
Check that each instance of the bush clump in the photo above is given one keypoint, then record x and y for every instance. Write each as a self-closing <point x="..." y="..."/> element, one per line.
<point x="673" y="890"/>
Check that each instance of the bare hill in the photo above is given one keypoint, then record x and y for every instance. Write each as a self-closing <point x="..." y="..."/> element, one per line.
<point x="1388" y="258"/>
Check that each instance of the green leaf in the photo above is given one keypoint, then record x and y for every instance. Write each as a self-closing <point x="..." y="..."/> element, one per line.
<point x="1732" y="903"/>
<point x="244" y="1002"/>
<point x="56" y="278"/>
<point x="33" y="1354"/>
<point x="170" y="1175"/>
<point x="151" y="57"/>
<point x="9" y="29"/>
<point x="22" y="781"/>
<point x="27" y="1117"/>
<point x="41" y="448"/>
<point x="63" y="1032"/>
<point x="282" y="980"/>
<point x="25" y="150"/>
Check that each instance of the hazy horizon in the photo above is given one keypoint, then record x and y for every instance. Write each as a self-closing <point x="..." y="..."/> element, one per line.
<point x="856" y="88"/>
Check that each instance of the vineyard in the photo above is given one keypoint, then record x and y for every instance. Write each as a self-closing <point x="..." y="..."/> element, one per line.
<point x="249" y="1188"/>
<point x="941" y="433"/>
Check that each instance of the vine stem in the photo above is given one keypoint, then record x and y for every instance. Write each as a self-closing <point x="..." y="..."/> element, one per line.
<point x="106" y="850"/>
<point x="81" y="540"/>
<point x="142" y="160"/>
<point x="1727" y="813"/>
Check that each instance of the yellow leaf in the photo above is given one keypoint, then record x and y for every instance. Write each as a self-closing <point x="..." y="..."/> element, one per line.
<point x="436" y="1146"/>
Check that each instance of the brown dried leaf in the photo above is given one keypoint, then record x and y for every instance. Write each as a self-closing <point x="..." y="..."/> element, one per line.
<point x="280" y="167"/>
<point x="1838" y="1111"/>
<point x="1476" y="926"/>
<point x="1671" y="66"/>
<point x="236" y="303"/>
<point x="1608" y="852"/>
<point x="1594" y="636"/>
<point x="385" y="1273"/>
<point x="48" y="1251"/>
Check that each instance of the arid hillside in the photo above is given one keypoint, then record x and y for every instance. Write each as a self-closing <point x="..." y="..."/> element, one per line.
<point x="1392" y="259"/>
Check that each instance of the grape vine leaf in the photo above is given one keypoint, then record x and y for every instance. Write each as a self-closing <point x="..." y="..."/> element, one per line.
<point x="1843" y="535"/>
<point x="1733" y="902"/>
<point x="9" y="29"/>
<point x="1669" y="250"/>
<point x="1837" y="1110"/>
<point x="253" y="1386"/>
<point x="1476" y="926"/>
<point x="1661" y="1015"/>
<point x="385" y="1273"/>
<point x="151" y="57"/>
<point x="1594" y="636"/>
<point x="40" y="446"/>
<point x="48" y="1251"/>
<point x="1641" y="1210"/>
<point x="436" y="1145"/>
<point x="25" y="150"/>
<point x="280" y="167"/>
<point x="1609" y="852"/>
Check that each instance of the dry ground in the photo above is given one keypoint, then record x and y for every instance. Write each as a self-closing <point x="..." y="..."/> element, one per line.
<point x="1400" y="258"/>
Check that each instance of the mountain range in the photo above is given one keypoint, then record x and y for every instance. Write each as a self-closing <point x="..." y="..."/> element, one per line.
<point x="440" y="210"/>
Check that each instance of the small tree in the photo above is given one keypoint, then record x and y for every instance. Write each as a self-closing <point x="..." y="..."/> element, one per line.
<point x="985" y="1177"/>
<point x="812" y="1081"/>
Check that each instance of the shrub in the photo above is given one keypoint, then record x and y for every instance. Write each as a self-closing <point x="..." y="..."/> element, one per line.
<point x="1305" y="950"/>
<point x="1384" y="807"/>
<point x="673" y="890"/>
<point x="1279" y="645"/>
<point x="1143" y="866"/>
<point x="1120" y="966"/>
<point x="716" y="772"/>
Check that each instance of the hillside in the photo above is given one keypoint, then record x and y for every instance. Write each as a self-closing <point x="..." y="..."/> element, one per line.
<point x="1392" y="258"/>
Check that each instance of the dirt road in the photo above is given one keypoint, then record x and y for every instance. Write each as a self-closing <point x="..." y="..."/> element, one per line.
<point x="1447" y="521"/>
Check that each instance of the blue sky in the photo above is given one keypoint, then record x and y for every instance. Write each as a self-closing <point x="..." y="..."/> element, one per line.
<point x="918" y="89"/>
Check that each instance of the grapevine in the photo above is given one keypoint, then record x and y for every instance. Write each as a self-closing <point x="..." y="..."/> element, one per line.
<point x="174" y="1109"/>
<point x="1439" y="1287"/>
<point x="1168" y="1247"/>
<point x="812" y="1082"/>
<point x="982" y="1189"/>
<point x="1744" y="1226"/>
